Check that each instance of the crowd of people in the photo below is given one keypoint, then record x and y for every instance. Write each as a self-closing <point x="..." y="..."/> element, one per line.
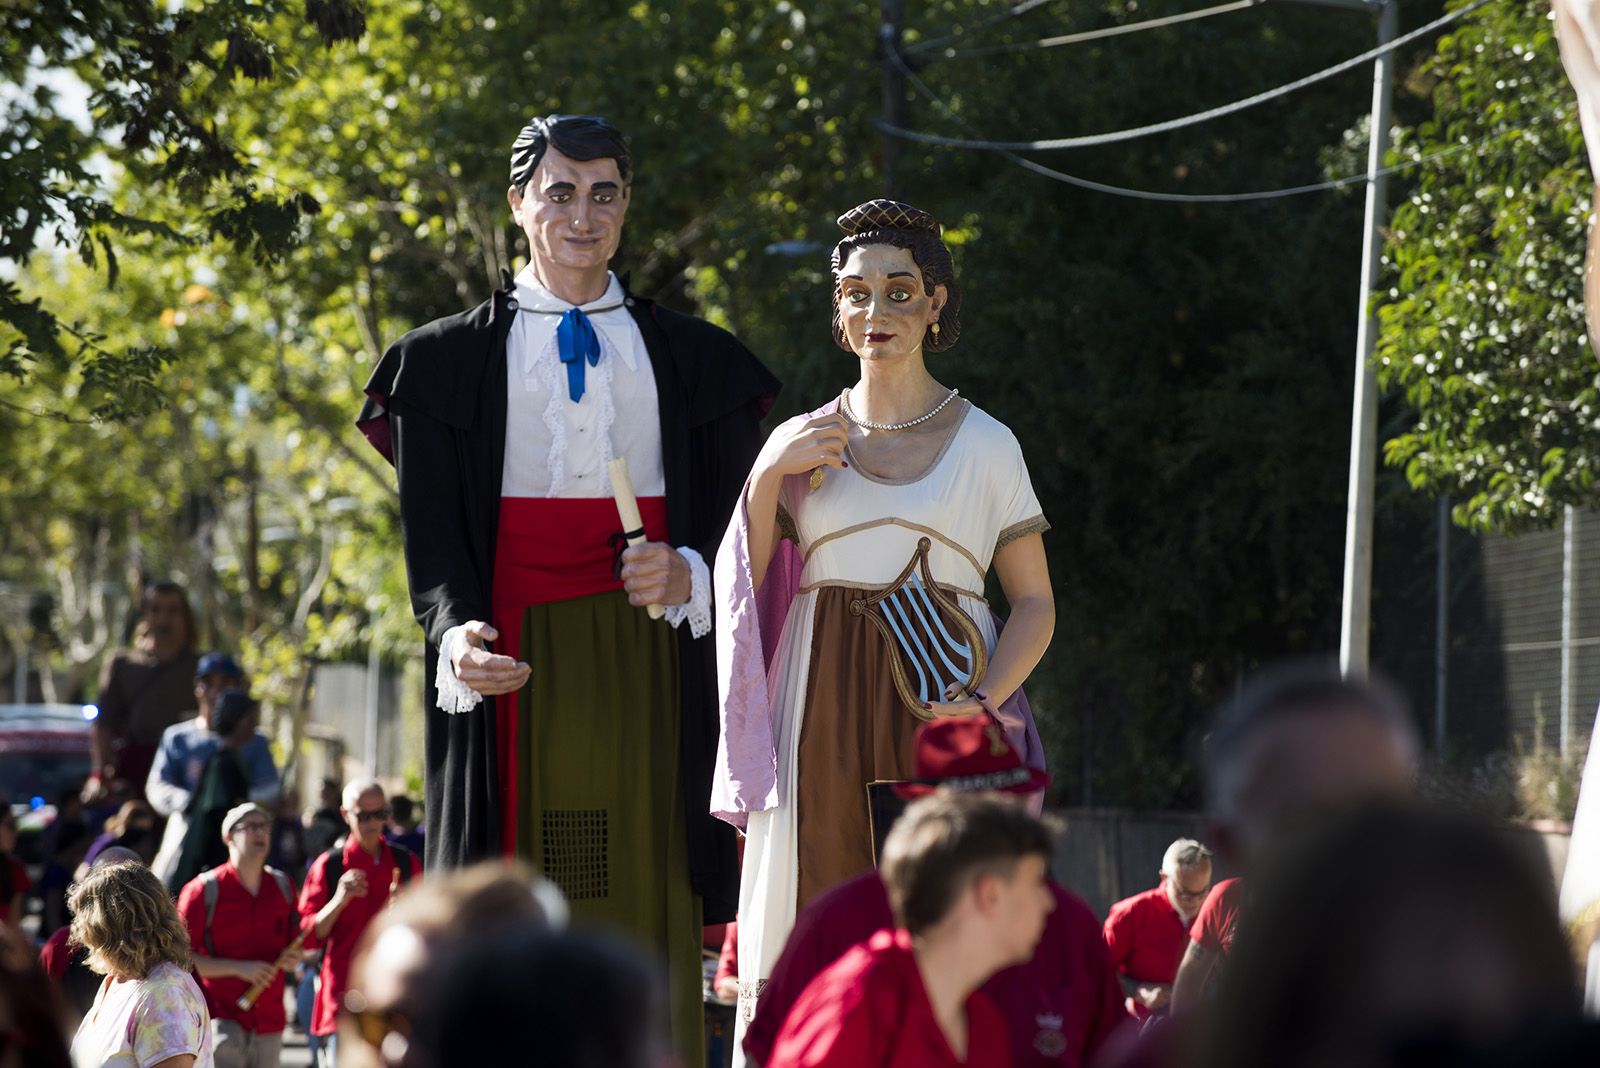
<point x="1361" y="927"/>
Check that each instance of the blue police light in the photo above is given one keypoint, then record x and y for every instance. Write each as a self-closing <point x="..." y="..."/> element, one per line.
<point x="91" y="712"/>
<point x="36" y="803"/>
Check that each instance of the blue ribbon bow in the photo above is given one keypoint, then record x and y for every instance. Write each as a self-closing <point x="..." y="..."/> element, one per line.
<point x="577" y="345"/>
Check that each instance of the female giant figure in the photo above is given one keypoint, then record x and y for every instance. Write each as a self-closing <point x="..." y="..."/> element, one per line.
<point x="851" y="585"/>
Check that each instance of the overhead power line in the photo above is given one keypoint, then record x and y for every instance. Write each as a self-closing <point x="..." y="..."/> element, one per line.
<point x="1115" y="136"/>
<point x="927" y="91"/>
<point x="1085" y="36"/>
<point x="982" y="24"/>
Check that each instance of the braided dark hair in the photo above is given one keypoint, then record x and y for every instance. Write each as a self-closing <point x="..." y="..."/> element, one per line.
<point x="889" y="222"/>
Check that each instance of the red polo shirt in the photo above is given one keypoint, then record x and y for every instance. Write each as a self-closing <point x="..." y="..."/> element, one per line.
<point x="346" y="930"/>
<point x="20" y="885"/>
<point x="1213" y="929"/>
<point x="1146" y="939"/>
<point x="870" y="1009"/>
<point x="1059" y="1007"/>
<point x="245" y="926"/>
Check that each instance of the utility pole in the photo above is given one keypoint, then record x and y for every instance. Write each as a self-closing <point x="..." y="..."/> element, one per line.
<point x="894" y="88"/>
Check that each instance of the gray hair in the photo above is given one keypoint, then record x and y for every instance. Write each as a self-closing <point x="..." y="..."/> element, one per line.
<point x="1296" y="687"/>
<point x="355" y="788"/>
<point x="1185" y="854"/>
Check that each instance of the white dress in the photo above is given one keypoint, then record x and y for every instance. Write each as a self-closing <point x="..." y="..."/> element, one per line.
<point x="856" y="534"/>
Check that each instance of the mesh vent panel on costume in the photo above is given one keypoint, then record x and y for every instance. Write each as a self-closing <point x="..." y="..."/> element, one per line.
<point x="575" y="850"/>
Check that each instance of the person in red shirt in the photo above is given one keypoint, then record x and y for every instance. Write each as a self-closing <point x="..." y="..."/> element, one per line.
<point x="726" y="982"/>
<point x="1059" y="1006"/>
<point x="14" y="881"/>
<point x="1147" y="933"/>
<point x="241" y="917"/>
<point x="345" y="888"/>
<point x="966" y="880"/>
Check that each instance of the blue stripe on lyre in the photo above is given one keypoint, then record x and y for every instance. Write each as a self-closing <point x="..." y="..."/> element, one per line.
<point x="916" y="593"/>
<point x="893" y="601"/>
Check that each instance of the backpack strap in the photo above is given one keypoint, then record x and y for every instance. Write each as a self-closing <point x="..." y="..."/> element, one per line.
<point x="209" y="892"/>
<point x="284" y="885"/>
<point x="402" y="861"/>
<point x="333" y="868"/>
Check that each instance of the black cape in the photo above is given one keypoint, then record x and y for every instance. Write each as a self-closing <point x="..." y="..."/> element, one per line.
<point x="436" y="409"/>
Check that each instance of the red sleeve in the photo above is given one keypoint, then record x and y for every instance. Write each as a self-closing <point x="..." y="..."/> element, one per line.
<point x="313" y="896"/>
<point x="798" y="964"/>
<point x="56" y="954"/>
<point x="1206" y="931"/>
<point x="192" y="908"/>
<point x="728" y="962"/>
<point x="20" y="883"/>
<point x="836" y="1023"/>
<point x="1119" y="934"/>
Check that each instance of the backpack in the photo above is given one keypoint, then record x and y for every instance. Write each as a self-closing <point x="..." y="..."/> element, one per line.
<point x="210" y="891"/>
<point x="335" y="864"/>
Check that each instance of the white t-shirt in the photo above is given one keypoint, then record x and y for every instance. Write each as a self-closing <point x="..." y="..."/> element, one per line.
<point x="139" y="1022"/>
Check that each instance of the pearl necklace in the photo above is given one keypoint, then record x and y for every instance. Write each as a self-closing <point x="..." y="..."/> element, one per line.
<point x="844" y="406"/>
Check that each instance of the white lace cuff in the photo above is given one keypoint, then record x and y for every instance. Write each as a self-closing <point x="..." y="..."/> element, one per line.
<point x="454" y="695"/>
<point x="697" y="609"/>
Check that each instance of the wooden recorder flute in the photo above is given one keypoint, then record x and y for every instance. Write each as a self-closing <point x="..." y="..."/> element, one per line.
<point x="248" y="999"/>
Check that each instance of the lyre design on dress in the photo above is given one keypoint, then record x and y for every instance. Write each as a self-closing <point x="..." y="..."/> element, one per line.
<point x="928" y="635"/>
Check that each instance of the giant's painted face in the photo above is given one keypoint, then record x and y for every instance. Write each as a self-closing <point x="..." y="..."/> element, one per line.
<point x="571" y="211"/>
<point x="883" y="305"/>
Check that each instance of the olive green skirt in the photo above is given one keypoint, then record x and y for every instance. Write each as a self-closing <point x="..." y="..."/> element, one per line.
<point x="601" y="793"/>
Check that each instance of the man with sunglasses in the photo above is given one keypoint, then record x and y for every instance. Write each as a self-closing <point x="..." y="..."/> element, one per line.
<point x="241" y="916"/>
<point x="346" y="887"/>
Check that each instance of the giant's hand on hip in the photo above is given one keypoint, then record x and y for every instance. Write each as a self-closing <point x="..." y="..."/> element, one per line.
<point x="653" y="572"/>
<point x="488" y="673"/>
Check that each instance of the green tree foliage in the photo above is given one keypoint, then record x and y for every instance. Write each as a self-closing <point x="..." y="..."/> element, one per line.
<point x="1482" y="323"/>
<point x="1179" y="375"/>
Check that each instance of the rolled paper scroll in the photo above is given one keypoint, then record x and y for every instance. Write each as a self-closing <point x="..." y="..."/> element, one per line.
<point x="628" y="510"/>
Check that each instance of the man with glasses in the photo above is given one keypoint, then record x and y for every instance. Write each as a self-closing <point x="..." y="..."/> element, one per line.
<point x="241" y="918"/>
<point x="1147" y="933"/>
<point x="346" y="887"/>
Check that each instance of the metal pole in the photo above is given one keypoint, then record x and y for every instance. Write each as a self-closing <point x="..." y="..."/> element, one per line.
<point x="894" y="88"/>
<point x="369" y="748"/>
<point x="1441" y="628"/>
<point x="1569" y="616"/>
<point x="1356" y="617"/>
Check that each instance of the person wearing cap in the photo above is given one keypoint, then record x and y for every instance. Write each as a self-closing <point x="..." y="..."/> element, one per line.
<point x="1059" y="1006"/>
<point x="502" y="423"/>
<point x="241" y="916"/>
<point x="185" y="748"/>
<point x="1148" y="933"/>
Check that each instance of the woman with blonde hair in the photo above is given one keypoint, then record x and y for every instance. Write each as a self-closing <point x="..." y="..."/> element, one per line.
<point x="149" y="1012"/>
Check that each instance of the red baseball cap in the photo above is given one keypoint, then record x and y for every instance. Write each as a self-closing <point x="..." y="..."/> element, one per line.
<point x="969" y="753"/>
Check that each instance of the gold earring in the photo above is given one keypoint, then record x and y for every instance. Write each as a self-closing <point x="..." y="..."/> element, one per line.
<point x="935" y="329"/>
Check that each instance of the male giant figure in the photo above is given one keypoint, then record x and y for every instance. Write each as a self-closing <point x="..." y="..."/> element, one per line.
<point x="593" y="755"/>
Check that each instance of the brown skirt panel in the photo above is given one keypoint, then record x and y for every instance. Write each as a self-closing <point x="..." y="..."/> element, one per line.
<point x="855" y="730"/>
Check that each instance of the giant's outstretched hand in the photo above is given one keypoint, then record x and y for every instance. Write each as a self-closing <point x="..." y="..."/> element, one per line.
<point x="488" y="673"/>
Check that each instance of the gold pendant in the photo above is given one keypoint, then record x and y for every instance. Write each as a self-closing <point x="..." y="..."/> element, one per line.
<point x="816" y="478"/>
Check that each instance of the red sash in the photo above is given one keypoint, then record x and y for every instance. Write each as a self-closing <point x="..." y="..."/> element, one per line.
<point x="548" y="549"/>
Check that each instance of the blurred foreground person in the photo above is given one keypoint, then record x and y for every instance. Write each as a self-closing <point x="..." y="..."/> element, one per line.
<point x="1299" y="741"/>
<point x="67" y="963"/>
<point x="14" y="880"/>
<point x="966" y="879"/>
<point x="1060" y="1004"/>
<point x="401" y="952"/>
<point x="149" y="1012"/>
<point x="1146" y="934"/>
<point x="534" y="996"/>
<point x="1400" y="938"/>
<point x="31" y="1034"/>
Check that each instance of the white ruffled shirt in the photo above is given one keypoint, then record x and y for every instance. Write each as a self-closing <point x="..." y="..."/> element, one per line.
<point x="558" y="448"/>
